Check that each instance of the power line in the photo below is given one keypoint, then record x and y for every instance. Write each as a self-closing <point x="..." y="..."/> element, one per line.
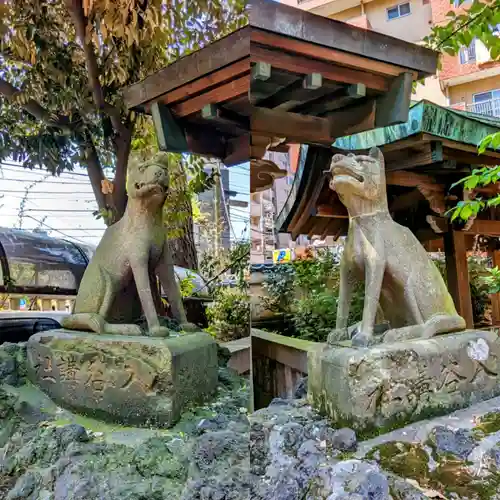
<point x="46" y="182"/>
<point x="57" y="231"/>
<point x="38" y="192"/>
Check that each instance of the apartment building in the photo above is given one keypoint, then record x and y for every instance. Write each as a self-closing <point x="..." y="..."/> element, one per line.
<point x="469" y="81"/>
<point x="266" y="205"/>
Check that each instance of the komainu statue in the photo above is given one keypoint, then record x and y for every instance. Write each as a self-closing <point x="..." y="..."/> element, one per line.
<point x="400" y="279"/>
<point x="119" y="286"/>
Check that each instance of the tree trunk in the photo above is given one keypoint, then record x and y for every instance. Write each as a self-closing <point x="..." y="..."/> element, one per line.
<point x="183" y="249"/>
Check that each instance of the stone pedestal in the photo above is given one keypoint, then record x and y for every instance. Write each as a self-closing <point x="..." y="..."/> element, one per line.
<point x="130" y="380"/>
<point x="390" y="385"/>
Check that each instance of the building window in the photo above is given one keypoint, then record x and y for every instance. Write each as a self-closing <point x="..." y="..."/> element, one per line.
<point x="486" y="103"/>
<point x="458" y="3"/>
<point x="468" y="54"/>
<point x="397" y="11"/>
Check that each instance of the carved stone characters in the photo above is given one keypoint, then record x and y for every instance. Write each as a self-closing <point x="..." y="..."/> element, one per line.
<point x="119" y="285"/>
<point x="399" y="275"/>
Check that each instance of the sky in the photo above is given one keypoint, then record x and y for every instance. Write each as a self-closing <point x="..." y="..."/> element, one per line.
<point x="63" y="205"/>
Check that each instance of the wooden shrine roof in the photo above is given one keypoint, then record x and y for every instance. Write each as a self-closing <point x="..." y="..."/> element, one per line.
<point x="288" y="74"/>
<point x="436" y="147"/>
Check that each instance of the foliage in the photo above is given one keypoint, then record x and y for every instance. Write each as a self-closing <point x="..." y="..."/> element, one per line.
<point x="187" y="285"/>
<point x="479" y="177"/>
<point x="315" y="315"/>
<point x="215" y="265"/>
<point x="229" y="314"/>
<point x="279" y="287"/>
<point x="63" y="65"/>
<point x="306" y="292"/>
<point x="239" y="258"/>
<point x="478" y="21"/>
<point x="478" y="270"/>
<point x="492" y="281"/>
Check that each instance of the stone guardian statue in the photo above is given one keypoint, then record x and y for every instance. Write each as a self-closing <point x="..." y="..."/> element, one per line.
<point x="398" y="273"/>
<point x="119" y="286"/>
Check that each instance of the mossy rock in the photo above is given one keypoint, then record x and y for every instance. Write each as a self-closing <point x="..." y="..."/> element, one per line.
<point x="411" y="461"/>
<point x="489" y="423"/>
<point x="404" y="459"/>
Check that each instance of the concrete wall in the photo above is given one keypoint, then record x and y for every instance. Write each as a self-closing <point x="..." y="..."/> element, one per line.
<point x="463" y="93"/>
<point x="431" y="91"/>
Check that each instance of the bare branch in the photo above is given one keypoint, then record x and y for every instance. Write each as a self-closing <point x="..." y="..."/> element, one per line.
<point x="35" y="109"/>
<point x="75" y="9"/>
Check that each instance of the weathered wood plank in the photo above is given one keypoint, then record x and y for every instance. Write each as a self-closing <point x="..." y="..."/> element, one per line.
<point x="304" y="64"/>
<point x="226" y="92"/>
<point x="458" y="274"/>
<point x="432" y="152"/>
<point x="495" y="298"/>
<point x="337" y="41"/>
<point x="215" y="56"/>
<point x="231" y="72"/>
<point x="293" y="126"/>
<point x="393" y="107"/>
<point x="170" y="134"/>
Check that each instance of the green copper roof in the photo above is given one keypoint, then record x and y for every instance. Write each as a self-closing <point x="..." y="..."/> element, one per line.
<point x="424" y="117"/>
<point x="429" y="118"/>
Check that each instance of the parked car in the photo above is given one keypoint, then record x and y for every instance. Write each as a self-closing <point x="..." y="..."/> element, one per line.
<point x="49" y="270"/>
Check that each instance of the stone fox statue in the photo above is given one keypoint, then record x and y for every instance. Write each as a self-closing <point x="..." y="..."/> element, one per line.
<point x="399" y="276"/>
<point x="119" y="285"/>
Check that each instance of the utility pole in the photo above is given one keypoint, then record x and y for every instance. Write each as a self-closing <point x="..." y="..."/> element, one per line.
<point x="217" y="194"/>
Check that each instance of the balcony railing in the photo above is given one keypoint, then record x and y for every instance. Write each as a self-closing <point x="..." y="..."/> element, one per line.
<point x="490" y="108"/>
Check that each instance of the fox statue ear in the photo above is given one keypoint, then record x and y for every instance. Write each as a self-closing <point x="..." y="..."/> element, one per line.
<point x="377" y="154"/>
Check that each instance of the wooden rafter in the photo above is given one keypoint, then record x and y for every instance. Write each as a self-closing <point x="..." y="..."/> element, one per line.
<point x="305" y="65"/>
<point x="309" y="50"/>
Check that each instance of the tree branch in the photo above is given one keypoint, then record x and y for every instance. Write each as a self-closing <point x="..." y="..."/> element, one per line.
<point x="75" y="9"/>
<point x="35" y="109"/>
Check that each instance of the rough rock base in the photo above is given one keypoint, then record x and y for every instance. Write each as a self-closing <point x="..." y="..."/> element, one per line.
<point x="390" y="385"/>
<point x="131" y="380"/>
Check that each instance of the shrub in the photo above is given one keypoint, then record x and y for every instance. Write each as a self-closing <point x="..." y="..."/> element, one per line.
<point x="229" y="314"/>
<point x="315" y="315"/>
<point x="306" y="293"/>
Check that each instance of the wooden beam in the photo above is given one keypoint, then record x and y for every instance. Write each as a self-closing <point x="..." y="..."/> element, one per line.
<point x="203" y="141"/>
<point x="310" y="129"/>
<point x="205" y="83"/>
<point x="331" y="55"/>
<point x="426" y="184"/>
<point x="169" y="133"/>
<point x="226" y="92"/>
<point x="409" y="179"/>
<point x="305" y="65"/>
<point x="470" y="158"/>
<point x="484" y="227"/>
<point x="213" y="112"/>
<point x="337" y="99"/>
<point x="211" y="58"/>
<point x="458" y="274"/>
<point x="353" y="119"/>
<point x="293" y="126"/>
<point x="337" y="211"/>
<point x="495" y="298"/>
<point x="406" y="200"/>
<point x="295" y="94"/>
<point x="237" y="151"/>
<point x="393" y="107"/>
<point x="468" y="148"/>
<point x="432" y="153"/>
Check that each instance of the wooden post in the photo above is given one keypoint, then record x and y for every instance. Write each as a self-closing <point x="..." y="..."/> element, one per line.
<point x="495" y="298"/>
<point x="458" y="274"/>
